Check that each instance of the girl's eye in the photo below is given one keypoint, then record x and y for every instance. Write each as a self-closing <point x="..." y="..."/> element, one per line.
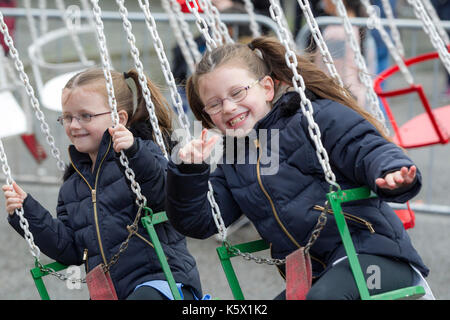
<point x="85" y="117"/>
<point x="236" y="93"/>
<point x="214" y="104"/>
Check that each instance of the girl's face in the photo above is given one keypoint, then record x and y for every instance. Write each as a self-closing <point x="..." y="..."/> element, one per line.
<point x="236" y="118"/>
<point x="86" y="136"/>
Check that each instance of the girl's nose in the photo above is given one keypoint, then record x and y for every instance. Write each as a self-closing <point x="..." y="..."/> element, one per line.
<point x="228" y="106"/>
<point x="75" y="123"/>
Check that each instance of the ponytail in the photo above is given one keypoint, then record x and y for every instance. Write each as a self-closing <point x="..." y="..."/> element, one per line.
<point x="163" y="112"/>
<point x="315" y="79"/>
<point x="266" y="56"/>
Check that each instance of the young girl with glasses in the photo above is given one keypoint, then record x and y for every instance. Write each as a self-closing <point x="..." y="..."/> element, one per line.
<point x="245" y="90"/>
<point x="96" y="206"/>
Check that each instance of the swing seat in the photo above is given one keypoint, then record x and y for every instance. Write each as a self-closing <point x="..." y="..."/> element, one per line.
<point x="50" y="91"/>
<point x="336" y="199"/>
<point x="149" y="220"/>
<point x="407" y="216"/>
<point x="429" y="128"/>
<point x="227" y="251"/>
<point x="35" y="148"/>
<point x="419" y="131"/>
<point x="13" y="120"/>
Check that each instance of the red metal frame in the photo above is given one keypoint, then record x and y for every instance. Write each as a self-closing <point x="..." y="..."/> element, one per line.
<point x="442" y="136"/>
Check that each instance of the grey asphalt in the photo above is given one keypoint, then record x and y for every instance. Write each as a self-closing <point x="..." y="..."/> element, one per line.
<point x="430" y="235"/>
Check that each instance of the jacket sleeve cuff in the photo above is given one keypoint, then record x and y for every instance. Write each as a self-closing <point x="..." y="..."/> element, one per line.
<point x="188" y="168"/>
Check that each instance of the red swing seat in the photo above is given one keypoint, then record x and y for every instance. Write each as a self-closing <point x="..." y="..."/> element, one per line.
<point x="429" y="128"/>
<point x="426" y="129"/>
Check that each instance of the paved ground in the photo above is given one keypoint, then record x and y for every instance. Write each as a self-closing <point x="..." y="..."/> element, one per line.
<point x="430" y="236"/>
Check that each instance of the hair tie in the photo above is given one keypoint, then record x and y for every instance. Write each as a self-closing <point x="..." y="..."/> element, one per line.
<point x="132" y="85"/>
<point x="256" y="51"/>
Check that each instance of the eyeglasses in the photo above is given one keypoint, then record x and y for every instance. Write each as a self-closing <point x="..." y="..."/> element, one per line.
<point x="83" y="118"/>
<point x="237" y="95"/>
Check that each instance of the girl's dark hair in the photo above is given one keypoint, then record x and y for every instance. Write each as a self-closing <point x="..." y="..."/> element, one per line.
<point x="138" y="120"/>
<point x="273" y="64"/>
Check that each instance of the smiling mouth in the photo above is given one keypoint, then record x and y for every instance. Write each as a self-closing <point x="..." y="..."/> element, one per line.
<point x="80" y="135"/>
<point x="236" y="120"/>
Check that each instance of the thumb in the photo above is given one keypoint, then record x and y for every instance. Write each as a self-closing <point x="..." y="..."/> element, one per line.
<point x="19" y="190"/>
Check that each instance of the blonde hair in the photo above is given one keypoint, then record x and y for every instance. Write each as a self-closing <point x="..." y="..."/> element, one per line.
<point x="95" y="78"/>
<point x="271" y="63"/>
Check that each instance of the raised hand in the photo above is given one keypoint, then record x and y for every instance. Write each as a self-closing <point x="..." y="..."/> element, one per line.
<point x="14" y="196"/>
<point x="122" y="138"/>
<point x="198" y="150"/>
<point x="397" y="179"/>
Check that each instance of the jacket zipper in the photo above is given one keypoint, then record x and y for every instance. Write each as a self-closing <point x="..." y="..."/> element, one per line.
<point x="274" y="211"/>
<point x="94" y="200"/>
<point x="350" y="217"/>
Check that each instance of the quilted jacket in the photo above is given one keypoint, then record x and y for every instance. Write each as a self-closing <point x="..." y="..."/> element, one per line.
<point x="93" y="211"/>
<point x="281" y="203"/>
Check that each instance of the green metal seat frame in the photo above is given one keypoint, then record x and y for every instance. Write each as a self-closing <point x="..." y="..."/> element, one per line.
<point x="149" y="220"/>
<point x="335" y="198"/>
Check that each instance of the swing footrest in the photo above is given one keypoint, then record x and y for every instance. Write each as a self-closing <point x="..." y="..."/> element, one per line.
<point x="37" y="275"/>
<point x="409" y="293"/>
<point x="225" y="253"/>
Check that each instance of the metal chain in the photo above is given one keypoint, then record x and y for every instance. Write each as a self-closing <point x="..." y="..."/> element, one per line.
<point x="275" y="10"/>
<point x="210" y="44"/>
<point x="251" y="257"/>
<point x="321" y="222"/>
<point x="176" y="8"/>
<point x="219" y="25"/>
<point x="314" y="131"/>
<point x="375" y="22"/>
<point x="58" y="275"/>
<point x="30" y="92"/>
<point x="72" y="19"/>
<point x="372" y="101"/>
<point x="34" y="249"/>
<point x="165" y="65"/>
<point x="305" y="104"/>
<point x="132" y="230"/>
<point x="209" y="19"/>
<point x="201" y="25"/>
<point x="320" y="42"/>
<point x="437" y="22"/>
<point x="394" y="30"/>
<point x="173" y="22"/>
<point x="431" y="31"/>
<point x="129" y="173"/>
<point x="23" y="222"/>
<point x="254" y="26"/>
<point x="141" y="77"/>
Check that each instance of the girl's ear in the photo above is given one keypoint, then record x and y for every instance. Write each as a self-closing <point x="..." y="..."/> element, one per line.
<point x="269" y="88"/>
<point x="123" y="117"/>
